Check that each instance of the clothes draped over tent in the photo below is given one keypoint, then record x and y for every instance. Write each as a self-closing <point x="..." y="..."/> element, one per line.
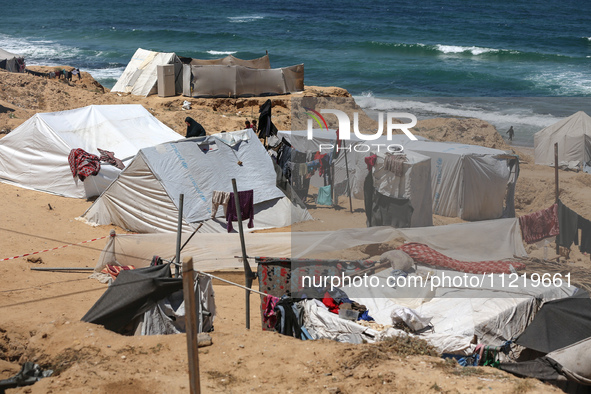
<point x="246" y="203"/>
<point x="425" y="255"/>
<point x="109" y="157"/>
<point x="83" y="164"/>
<point x="539" y="225"/>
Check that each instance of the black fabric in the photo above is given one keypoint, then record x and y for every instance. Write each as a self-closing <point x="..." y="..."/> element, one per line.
<point x="266" y="127"/>
<point x="585" y="226"/>
<point x="291" y="325"/>
<point x="28" y="375"/>
<point x="541" y="368"/>
<point x="194" y="129"/>
<point x="567" y="223"/>
<point x="559" y="323"/>
<point x="388" y="211"/>
<point x="131" y="294"/>
<point x="368" y="192"/>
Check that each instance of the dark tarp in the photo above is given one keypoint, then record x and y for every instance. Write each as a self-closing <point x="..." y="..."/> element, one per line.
<point x="541" y="368"/>
<point x="559" y="323"/>
<point x="131" y="294"/>
<point x="266" y="127"/>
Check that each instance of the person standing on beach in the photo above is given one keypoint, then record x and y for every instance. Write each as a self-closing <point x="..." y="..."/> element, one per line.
<point x="511" y="133"/>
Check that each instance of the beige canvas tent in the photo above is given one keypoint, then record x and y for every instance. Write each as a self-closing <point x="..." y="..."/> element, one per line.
<point x="573" y="135"/>
<point x="11" y="62"/>
<point x="140" y="77"/>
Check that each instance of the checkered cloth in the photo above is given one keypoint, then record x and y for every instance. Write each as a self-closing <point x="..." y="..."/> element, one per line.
<point x="83" y="164"/>
<point x="109" y="157"/>
<point x="425" y="255"/>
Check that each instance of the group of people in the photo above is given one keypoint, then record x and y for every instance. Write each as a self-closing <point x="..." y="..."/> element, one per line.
<point x="195" y="129"/>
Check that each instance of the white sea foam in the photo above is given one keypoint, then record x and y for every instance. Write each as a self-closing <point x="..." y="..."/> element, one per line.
<point x="563" y="83"/>
<point x="221" y="52"/>
<point x="453" y="49"/>
<point x="39" y="52"/>
<point x="244" y="19"/>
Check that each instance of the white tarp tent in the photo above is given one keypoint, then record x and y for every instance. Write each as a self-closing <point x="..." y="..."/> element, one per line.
<point x="35" y="154"/>
<point x="140" y="77"/>
<point x="573" y="135"/>
<point x="145" y="197"/>
<point x="467" y="181"/>
<point x="11" y="62"/>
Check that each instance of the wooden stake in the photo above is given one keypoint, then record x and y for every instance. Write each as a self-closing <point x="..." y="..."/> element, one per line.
<point x="191" y="325"/>
<point x="248" y="276"/>
<point x="556" y="189"/>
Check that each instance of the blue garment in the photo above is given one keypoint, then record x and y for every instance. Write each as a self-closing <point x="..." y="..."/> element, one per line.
<point x="324" y="196"/>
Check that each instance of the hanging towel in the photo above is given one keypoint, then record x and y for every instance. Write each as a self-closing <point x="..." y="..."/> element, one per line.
<point x="585" y="226"/>
<point x="219" y="198"/>
<point x="567" y="223"/>
<point x="370" y="161"/>
<point x="246" y="199"/>
<point x="395" y="164"/>
<point x="324" y="196"/>
<point x="539" y="225"/>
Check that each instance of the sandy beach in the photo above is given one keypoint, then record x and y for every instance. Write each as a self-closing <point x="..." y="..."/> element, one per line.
<point x="40" y="311"/>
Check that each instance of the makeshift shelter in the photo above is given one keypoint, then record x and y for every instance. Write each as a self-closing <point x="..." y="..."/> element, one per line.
<point x="145" y="196"/>
<point x="573" y="135"/>
<point x="259" y="63"/>
<point x="140" y="77"/>
<point x="562" y="332"/>
<point x="468" y="181"/>
<point x="11" y="62"/>
<point x="35" y="154"/>
<point x="148" y="301"/>
<point x="240" y="81"/>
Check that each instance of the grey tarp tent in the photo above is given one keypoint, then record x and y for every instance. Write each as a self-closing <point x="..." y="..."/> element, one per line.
<point x="11" y="62"/>
<point x="259" y="63"/>
<point x="145" y="196"/>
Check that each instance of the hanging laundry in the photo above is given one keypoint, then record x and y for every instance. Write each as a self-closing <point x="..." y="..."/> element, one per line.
<point x="83" y="164"/>
<point x="114" y="270"/>
<point x="567" y="224"/>
<point x="269" y="315"/>
<point x="421" y="253"/>
<point x="246" y="199"/>
<point x="109" y="157"/>
<point x="388" y="211"/>
<point x="395" y="163"/>
<point x="219" y="198"/>
<point x="370" y="161"/>
<point x="539" y="225"/>
<point x="585" y="226"/>
<point x="324" y="196"/>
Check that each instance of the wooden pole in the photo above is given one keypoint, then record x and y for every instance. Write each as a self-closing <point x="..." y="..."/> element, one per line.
<point x="348" y="183"/>
<point x="191" y="325"/>
<point x="248" y="276"/>
<point x="556" y="189"/>
<point x="179" y="234"/>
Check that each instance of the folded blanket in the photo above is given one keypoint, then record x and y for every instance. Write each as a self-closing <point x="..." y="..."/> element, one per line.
<point x="423" y="254"/>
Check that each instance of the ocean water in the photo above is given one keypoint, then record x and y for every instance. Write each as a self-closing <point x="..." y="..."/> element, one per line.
<point x="495" y="55"/>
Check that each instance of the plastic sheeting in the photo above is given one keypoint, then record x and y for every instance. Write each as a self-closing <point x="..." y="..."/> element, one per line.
<point x="145" y="197"/>
<point x="573" y="135"/>
<point x="217" y="251"/>
<point x="260" y="63"/>
<point x="140" y="77"/>
<point x="11" y="62"/>
<point x="467" y="181"/>
<point x="240" y="81"/>
<point x="35" y="154"/>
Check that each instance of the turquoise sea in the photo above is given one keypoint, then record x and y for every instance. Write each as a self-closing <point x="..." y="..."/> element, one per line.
<point x="504" y="61"/>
